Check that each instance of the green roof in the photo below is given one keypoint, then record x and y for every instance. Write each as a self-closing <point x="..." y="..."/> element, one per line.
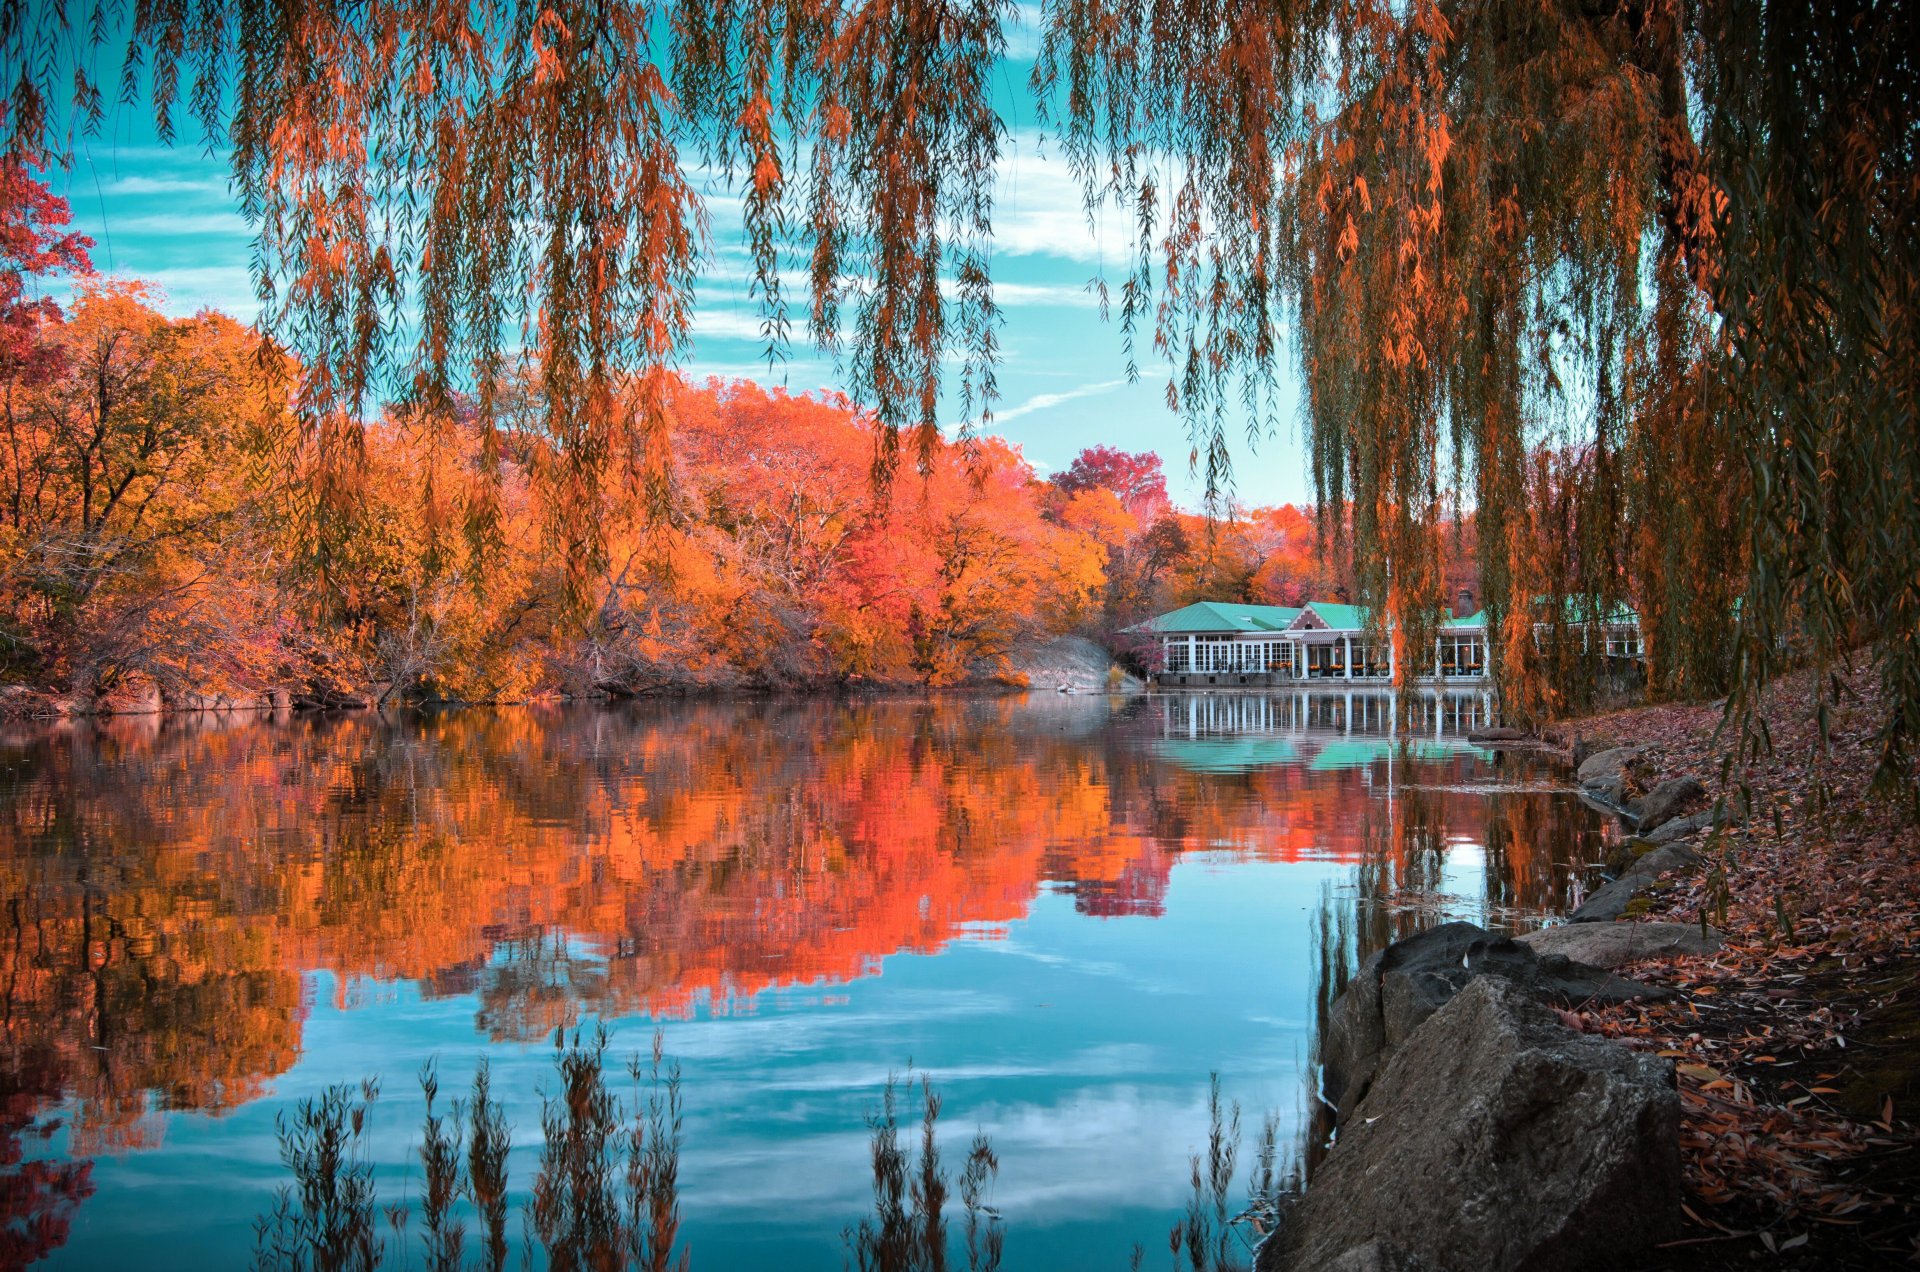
<point x="1227" y="616"/>
<point x="1340" y="617"/>
<point x="1221" y="616"/>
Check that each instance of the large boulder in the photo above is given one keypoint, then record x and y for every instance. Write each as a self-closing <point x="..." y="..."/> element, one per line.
<point x="1070" y="664"/>
<point x="1374" y="1256"/>
<point x="1609" y="945"/>
<point x="1495" y="1139"/>
<point x="136" y="695"/>
<point x="1610" y="901"/>
<point x="1667" y="801"/>
<point x="1397" y="989"/>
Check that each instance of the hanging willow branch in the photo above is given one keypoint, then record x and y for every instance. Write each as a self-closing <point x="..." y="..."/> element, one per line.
<point x="1629" y="281"/>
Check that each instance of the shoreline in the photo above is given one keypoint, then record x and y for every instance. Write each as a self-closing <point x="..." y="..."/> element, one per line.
<point x="1766" y="1107"/>
<point x="1797" y="1045"/>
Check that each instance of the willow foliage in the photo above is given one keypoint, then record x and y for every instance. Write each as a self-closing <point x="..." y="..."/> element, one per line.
<point x="1632" y="280"/>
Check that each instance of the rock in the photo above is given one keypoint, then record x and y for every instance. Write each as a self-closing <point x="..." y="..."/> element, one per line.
<point x="1608" y="945"/>
<point x="1585" y="748"/>
<point x="332" y="698"/>
<point x="1680" y="827"/>
<point x="1374" y="1256"/>
<point x="215" y="702"/>
<point x="1666" y="801"/>
<point x="1621" y="856"/>
<point x="1485" y="736"/>
<point x="1071" y="664"/>
<point x="1401" y="986"/>
<point x="17" y="702"/>
<point x="1496" y="1139"/>
<point x="139" y="695"/>
<point x="1611" y="901"/>
<point x="1603" y="764"/>
<point x="279" y="699"/>
<point x="1608" y="775"/>
<point x="1662" y="860"/>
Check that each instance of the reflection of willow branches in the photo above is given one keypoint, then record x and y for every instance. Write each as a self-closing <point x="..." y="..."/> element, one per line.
<point x="1534" y="850"/>
<point x="1337" y="954"/>
<point x="1406" y="853"/>
<point x="1211" y="1237"/>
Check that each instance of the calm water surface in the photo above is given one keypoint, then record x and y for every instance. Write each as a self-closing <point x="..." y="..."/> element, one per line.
<point x="1068" y="910"/>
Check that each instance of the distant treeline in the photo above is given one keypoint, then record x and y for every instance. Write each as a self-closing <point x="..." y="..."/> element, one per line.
<point x="171" y="536"/>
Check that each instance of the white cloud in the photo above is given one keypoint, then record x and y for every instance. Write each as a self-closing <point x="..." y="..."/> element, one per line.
<point x="215" y="187"/>
<point x="189" y="289"/>
<point x="182" y="225"/>
<point x="1047" y="401"/>
<point x="1038" y="209"/>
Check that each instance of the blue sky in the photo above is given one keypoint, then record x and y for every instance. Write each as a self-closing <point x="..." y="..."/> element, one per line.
<point x="166" y="214"/>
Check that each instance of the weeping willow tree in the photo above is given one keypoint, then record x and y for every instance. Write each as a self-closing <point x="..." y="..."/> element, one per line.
<point x="1630" y="280"/>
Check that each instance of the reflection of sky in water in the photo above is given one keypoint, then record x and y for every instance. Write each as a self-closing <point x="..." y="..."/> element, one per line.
<point x="1080" y="1043"/>
<point x="1081" y="1046"/>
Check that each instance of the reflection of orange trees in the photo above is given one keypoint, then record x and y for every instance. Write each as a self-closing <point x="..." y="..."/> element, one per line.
<point x="553" y="862"/>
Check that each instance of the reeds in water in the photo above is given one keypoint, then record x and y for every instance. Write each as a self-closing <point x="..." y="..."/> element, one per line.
<point x="605" y="1197"/>
<point x="325" y="1221"/>
<point x="1214" y="1236"/>
<point x="907" y="1231"/>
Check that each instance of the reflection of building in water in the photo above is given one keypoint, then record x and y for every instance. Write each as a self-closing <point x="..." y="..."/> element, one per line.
<point x="1421" y="714"/>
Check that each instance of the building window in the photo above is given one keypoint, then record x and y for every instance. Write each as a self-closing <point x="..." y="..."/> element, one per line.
<point x="1462" y="656"/>
<point x="1623" y="642"/>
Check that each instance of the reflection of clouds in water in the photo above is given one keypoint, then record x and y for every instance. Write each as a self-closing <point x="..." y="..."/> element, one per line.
<point x="1086" y="966"/>
<point x="1108" y="1061"/>
<point x="824" y="1177"/>
<point x="761" y="1036"/>
<point x="1098" y="1149"/>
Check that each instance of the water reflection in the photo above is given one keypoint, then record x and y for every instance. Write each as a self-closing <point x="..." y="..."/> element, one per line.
<point x="178" y="890"/>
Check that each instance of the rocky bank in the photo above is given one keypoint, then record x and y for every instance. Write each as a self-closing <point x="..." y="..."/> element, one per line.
<point x="1713" y="1065"/>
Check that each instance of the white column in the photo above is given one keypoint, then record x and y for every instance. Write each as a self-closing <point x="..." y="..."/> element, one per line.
<point x="1349" y="641"/>
<point x="1193" y="646"/>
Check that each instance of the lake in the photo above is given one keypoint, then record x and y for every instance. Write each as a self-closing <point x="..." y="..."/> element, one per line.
<point x="1069" y="911"/>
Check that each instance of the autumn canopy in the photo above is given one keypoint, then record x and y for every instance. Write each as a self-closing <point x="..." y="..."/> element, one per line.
<point x="1633" y="282"/>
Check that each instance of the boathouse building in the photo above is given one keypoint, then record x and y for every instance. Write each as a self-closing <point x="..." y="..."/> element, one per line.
<point x="1222" y="643"/>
